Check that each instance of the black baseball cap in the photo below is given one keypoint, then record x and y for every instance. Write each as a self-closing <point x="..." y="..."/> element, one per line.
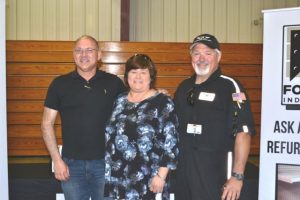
<point x="208" y="40"/>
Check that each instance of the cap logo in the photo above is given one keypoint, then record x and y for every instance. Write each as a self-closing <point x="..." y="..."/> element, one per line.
<point x="206" y="38"/>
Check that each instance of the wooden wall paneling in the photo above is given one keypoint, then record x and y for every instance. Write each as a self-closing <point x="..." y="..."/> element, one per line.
<point x="29" y="81"/>
<point x="27" y="118"/>
<point x="245" y="70"/>
<point x="233" y="16"/>
<point x="32" y="65"/>
<point x="25" y="106"/>
<point x="11" y="19"/>
<point x="28" y="146"/>
<point x="182" y="23"/>
<point x="166" y="69"/>
<point x="23" y="20"/>
<point x="50" y="20"/>
<point x="195" y="19"/>
<point x="145" y="47"/>
<point x="169" y="17"/>
<point x="44" y="56"/>
<point x="26" y="93"/>
<point x="39" y="68"/>
<point x="37" y="46"/>
<point x="241" y="53"/>
<point x="156" y="57"/>
<point x="29" y="130"/>
<point x="256" y="104"/>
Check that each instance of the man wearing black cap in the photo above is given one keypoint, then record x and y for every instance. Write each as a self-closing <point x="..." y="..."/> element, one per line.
<point x="215" y="119"/>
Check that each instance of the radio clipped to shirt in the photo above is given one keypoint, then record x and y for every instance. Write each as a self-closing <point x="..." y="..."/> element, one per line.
<point x="194" y="129"/>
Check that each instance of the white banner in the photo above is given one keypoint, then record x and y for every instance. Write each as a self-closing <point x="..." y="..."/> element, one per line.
<point x="280" y="122"/>
<point x="3" y="128"/>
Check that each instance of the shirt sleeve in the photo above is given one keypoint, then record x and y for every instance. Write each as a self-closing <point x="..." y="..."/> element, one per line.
<point x="243" y="117"/>
<point x="121" y="86"/>
<point x="168" y="136"/>
<point x="52" y="98"/>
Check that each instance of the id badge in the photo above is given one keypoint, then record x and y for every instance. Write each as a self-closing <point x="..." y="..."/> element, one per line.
<point x="205" y="96"/>
<point x="194" y="129"/>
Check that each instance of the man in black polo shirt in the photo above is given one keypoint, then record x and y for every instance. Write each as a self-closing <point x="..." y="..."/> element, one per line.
<point x="84" y="100"/>
<point x="214" y="119"/>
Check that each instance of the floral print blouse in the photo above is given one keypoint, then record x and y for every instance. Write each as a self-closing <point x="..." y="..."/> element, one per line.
<point x="140" y="138"/>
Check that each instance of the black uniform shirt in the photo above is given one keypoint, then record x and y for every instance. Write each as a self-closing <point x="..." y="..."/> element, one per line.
<point x="84" y="107"/>
<point x="215" y="110"/>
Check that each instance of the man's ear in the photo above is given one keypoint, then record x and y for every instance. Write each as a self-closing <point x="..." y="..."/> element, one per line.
<point x="99" y="55"/>
<point x="219" y="56"/>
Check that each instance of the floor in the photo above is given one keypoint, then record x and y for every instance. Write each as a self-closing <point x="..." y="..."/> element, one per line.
<point x="32" y="181"/>
<point x="30" y="178"/>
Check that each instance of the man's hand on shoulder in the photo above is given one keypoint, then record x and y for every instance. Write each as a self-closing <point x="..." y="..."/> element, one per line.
<point x="163" y="91"/>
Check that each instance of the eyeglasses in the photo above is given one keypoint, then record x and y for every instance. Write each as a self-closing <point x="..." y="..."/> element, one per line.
<point x="87" y="51"/>
<point x="191" y="96"/>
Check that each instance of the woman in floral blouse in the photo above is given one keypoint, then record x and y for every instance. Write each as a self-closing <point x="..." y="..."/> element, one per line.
<point x="141" y="136"/>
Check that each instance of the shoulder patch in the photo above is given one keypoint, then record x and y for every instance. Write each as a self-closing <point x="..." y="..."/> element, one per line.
<point x="239" y="96"/>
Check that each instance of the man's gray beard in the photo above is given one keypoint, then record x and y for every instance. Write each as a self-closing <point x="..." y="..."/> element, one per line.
<point x="200" y="71"/>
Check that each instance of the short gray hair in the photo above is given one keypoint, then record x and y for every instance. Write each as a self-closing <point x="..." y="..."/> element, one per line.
<point x="90" y="38"/>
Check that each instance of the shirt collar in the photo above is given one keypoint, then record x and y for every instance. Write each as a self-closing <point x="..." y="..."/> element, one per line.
<point x="98" y="74"/>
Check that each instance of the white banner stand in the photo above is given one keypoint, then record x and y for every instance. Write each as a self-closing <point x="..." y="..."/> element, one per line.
<point x="279" y="175"/>
<point x="3" y="126"/>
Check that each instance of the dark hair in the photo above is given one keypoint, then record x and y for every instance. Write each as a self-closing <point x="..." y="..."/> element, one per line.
<point x="140" y="61"/>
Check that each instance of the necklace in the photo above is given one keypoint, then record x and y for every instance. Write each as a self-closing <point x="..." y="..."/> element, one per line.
<point x="138" y="97"/>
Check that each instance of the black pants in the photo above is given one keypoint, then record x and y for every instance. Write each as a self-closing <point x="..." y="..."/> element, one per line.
<point x="200" y="175"/>
<point x="188" y="183"/>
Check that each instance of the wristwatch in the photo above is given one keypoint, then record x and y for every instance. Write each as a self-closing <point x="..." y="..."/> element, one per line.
<point x="239" y="177"/>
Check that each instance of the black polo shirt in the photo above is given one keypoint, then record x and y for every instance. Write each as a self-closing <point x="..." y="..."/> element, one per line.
<point x="214" y="110"/>
<point x="84" y="107"/>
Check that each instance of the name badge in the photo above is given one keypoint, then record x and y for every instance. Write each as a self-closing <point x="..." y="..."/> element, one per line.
<point x="194" y="128"/>
<point x="205" y="96"/>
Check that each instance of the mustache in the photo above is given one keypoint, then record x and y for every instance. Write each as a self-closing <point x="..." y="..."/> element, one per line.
<point x="201" y="63"/>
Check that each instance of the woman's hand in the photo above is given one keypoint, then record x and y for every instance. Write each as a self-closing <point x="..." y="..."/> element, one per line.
<point x="157" y="184"/>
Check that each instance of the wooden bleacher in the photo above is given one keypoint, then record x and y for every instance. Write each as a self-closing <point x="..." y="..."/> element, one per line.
<point x="31" y="66"/>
